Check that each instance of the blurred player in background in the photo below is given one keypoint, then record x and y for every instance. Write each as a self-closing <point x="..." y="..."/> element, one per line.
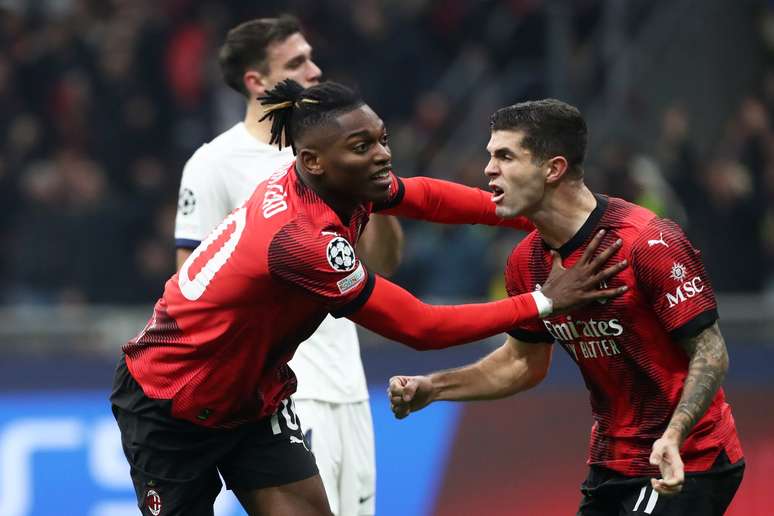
<point x="332" y="394"/>
<point x="204" y="388"/>
<point x="653" y="359"/>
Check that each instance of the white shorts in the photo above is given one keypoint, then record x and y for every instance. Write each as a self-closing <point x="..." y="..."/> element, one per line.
<point x="341" y="437"/>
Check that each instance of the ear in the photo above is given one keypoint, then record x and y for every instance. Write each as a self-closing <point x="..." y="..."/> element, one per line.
<point x="556" y="168"/>
<point x="255" y="83"/>
<point x="310" y="160"/>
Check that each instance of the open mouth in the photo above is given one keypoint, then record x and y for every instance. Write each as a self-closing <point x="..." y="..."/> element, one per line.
<point x="497" y="193"/>
<point x="382" y="177"/>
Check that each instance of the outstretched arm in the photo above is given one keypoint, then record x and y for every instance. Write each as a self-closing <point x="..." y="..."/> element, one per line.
<point x="513" y="367"/>
<point x="441" y="201"/>
<point x="394" y="313"/>
<point x="706" y="370"/>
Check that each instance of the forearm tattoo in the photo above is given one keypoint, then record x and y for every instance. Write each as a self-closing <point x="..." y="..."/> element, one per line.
<point x="706" y="370"/>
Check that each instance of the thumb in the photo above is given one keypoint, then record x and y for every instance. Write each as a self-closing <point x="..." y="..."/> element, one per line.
<point x="395" y="387"/>
<point x="557" y="261"/>
<point x="655" y="457"/>
<point x="410" y="389"/>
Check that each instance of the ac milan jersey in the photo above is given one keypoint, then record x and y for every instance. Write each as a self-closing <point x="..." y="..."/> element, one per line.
<point x="627" y="348"/>
<point x="221" y="336"/>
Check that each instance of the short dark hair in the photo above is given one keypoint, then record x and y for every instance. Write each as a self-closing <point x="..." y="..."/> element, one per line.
<point x="551" y="128"/>
<point x="246" y="45"/>
<point x="293" y="110"/>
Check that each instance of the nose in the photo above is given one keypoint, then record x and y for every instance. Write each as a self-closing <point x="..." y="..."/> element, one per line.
<point x="491" y="169"/>
<point x="382" y="154"/>
<point x="313" y="73"/>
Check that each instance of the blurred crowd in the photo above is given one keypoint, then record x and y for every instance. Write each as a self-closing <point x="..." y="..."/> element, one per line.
<point x="102" y="102"/>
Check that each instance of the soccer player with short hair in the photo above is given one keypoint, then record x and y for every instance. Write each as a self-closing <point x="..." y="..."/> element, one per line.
<point x="652" y="359"/>
<point x="204" y="387"/>
<point x="332" y="394"/>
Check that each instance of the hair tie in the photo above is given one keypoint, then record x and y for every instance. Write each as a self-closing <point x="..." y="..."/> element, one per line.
<point x="275" y="107"/>
<point x="306" y="101"/>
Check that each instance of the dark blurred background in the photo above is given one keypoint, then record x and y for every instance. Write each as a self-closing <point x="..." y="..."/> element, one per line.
<point x="103" y="101"/>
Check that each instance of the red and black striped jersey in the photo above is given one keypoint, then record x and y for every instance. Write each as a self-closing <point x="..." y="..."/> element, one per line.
<point x="627" y="348"/>
<point x="220" y="338"/>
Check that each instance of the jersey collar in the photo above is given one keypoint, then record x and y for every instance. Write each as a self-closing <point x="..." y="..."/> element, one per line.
<point x="585" y="230"/>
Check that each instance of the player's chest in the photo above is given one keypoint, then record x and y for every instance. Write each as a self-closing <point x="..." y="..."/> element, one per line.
<point x="601" y="333"/>
<point x="605" y="329"/>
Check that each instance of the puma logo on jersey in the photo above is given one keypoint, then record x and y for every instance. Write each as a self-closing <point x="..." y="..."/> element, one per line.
<point x="660" y="241"/>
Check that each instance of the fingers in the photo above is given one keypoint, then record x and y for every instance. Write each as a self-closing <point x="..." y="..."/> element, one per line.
<point x="671" y="466"/>
<point x="605" y="255"/>
<point x="607" y="293"/>
<point x="665" y="488"/>
<point x="395" y="387"/>
<point x="401" y="391"/>
<point x="609" y="272"/>
<point x="589" y="252"/>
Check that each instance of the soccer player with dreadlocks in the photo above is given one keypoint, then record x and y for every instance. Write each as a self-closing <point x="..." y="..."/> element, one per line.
<point x="332" y="393"/>
<point x="204" y="387"/>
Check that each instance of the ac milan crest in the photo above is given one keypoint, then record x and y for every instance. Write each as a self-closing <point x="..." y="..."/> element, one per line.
<point x="153" y="502"/>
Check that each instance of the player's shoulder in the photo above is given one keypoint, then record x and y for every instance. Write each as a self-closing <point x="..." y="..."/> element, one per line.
<point x="527" y="244"/>
<point x="635" y="224"/>
<point x="523" y="251"/>
<point x="291" y="220"/>
<point x="624" y="215"/>
<point x="207" y="162"/>
<point x="223" y="145"/>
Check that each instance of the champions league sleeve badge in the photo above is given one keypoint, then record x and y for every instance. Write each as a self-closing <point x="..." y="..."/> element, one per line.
<point x="186" y="202"/>
<point x="341" y="255"/>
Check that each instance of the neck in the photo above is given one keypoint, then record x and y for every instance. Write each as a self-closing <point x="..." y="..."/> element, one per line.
<point x="261" y="131"/>
<point x="563" y="211"/>
<point x="344" y="206"/>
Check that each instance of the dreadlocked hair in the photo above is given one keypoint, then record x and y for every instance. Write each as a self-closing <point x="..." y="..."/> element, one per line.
<point x="293" y="110"/>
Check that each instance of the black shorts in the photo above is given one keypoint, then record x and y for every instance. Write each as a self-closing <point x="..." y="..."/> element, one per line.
<point x="709" y="493"/>
<point x="174" y="464"/>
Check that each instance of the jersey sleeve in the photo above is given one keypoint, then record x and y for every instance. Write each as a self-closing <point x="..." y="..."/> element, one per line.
<point x="671" y="275"/>
<point x="323" y="264"/>
<point x="444" y="202"/>
<point x="202" y="202"/>
<point x="517" y="281"/>
<point x="396" y="314"/>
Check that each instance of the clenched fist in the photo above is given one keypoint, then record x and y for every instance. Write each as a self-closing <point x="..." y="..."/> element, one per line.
<point x="409" y="393"/>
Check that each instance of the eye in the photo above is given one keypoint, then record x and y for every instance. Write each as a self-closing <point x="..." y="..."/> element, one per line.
<point x="296" y="63"/>
<point x="360" y="148"/>
<point x="384" y="140"/>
